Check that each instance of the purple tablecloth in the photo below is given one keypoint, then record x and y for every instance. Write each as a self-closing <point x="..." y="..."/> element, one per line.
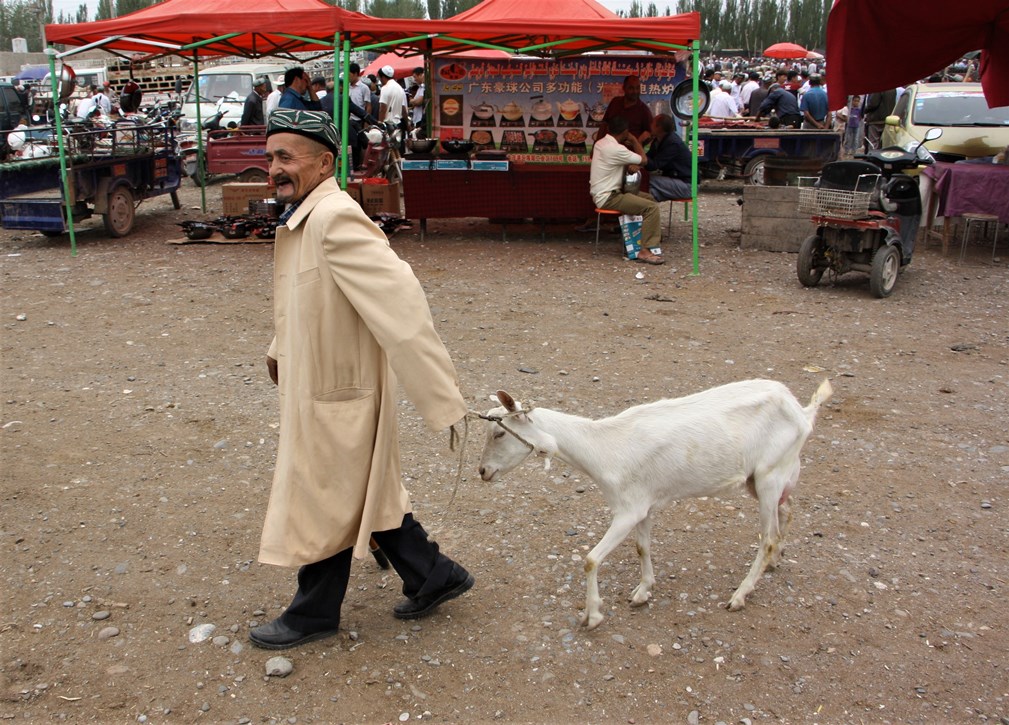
<point x="971" y="188"/>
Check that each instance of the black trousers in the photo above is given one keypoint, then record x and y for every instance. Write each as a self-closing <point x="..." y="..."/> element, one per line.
<point x="323" y="585"/>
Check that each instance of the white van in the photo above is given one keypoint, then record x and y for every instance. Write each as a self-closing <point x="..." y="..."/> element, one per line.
<point x="233" y="83"/>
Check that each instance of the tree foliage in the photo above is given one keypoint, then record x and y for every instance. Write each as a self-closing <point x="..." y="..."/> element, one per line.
<point x="753" y="25"/>
<point x="24" y="19"/>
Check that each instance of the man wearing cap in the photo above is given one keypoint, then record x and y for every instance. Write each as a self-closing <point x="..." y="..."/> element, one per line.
<point x="722" y="104"/>
<point x="351" y="323"/>
<point x="273" y="100"/>
<point x="252" y="112"/>
<point x="319" y="86"/>
<point x="392" y="100"/>
<point x="298" y="93"/>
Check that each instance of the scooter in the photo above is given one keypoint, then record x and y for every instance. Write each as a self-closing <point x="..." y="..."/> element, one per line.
<point x="866" y="213"/>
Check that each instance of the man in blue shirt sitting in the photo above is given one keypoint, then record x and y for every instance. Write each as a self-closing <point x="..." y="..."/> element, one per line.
<point x="298" y="92"/>
<point x="814" y="107"/>
<point x="668" y="162"/>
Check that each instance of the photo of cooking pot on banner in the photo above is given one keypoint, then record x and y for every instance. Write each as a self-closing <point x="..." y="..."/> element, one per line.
<point x="539" y="110"/>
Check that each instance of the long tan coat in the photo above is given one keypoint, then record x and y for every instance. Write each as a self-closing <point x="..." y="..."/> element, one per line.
<point x="347" y="313"/>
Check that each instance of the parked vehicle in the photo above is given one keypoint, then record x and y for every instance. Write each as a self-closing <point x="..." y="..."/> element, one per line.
<point x="970" y="128"/>
<point x="866" y="213"/>
<point x="11" y="112"/>
<point x="224" y="88"/>
<point x="110" y="170"/>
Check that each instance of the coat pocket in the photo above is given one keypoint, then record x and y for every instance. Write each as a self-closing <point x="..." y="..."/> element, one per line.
<point x="343" y="441"/>
<point x="308" y="275"/>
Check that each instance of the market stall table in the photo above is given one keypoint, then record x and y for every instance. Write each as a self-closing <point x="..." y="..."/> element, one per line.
<point x="524" y="191"/>
<point x="962" y="188"/>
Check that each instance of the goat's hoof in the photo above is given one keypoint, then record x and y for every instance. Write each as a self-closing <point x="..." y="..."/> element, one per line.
<point x="591" y="621"/>
<point x="639" y="598"/>
<point x="736" y="603"/>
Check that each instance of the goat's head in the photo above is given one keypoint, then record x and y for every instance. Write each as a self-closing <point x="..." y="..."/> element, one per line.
<point x="510" y="441"/>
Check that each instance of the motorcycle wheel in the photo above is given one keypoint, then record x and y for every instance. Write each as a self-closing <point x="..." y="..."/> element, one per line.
<point x="754" y="170"/>
<point x="885" y="268"/>
<point x="809" y="276"/>
<point x="253" y="176"/>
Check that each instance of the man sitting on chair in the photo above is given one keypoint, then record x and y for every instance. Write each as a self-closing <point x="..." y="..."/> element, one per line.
<point x="668" y="162"/>
<point x="610" y="159"/>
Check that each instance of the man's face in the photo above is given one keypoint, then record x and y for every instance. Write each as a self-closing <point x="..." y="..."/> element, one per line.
<point x="354" y="77"/>
<point x="261" y="90"/>
<point x="297" y="165"/>
<point x="300" y="83"/>
<point x="657" y="131"/>
<point x="632" y="89"/>
<point x="418" y="78"/>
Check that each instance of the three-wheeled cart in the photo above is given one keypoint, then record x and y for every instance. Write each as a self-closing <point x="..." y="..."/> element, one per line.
<point x="109" y="172"/>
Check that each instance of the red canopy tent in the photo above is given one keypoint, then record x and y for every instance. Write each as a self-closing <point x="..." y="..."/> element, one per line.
<point x="267" y="27"/>
<point x="785" y="51"/>
<point x="510" y="9"/>
<point x="875" y="46"/>
<point x="403" y="65"/>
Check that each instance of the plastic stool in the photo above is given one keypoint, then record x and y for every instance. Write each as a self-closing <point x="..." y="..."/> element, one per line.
<point x="599" y="220"/>
<point x="985" y="220"/>
<point x="669" y="220"/>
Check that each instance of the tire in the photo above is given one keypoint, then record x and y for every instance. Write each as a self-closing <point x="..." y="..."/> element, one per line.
<point x="197" y="178"/>
<point x="120" y="213"/>
<point x="754" y="170"/>
<point x="253" y="176"/>
<point x="808" y="274"/>
<point x="885" y="269"/>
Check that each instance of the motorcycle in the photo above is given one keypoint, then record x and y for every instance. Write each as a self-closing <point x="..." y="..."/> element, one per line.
<point x="190" y="149"/>
<point x="866" y="213"/>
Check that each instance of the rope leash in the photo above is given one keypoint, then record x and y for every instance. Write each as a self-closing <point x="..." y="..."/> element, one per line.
<point x="454" y="441"/>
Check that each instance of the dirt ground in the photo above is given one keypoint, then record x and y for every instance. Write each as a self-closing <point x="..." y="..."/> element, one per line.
<point x="139" y="432"/>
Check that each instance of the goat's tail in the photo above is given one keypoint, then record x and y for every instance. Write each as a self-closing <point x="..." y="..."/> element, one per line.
<point x="821" y="396"/>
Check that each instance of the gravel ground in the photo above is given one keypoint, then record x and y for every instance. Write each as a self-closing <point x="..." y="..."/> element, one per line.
<point x="139" y="429"/>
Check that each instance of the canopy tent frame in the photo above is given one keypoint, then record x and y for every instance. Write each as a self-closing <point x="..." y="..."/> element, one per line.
<point x="359" y="32"/>
<point x="459" y="44"/>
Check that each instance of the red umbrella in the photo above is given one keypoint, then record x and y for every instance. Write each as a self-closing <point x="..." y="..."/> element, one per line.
<point x="875" y="46"/>
<point x="785" y="51"/>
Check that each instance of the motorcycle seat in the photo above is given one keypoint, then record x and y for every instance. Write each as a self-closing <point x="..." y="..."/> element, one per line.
<point x="849" y="175"/>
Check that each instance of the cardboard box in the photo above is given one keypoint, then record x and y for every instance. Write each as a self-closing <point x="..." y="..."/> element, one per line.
<point x="235" y="197"/>
<point x="354" y="190"/>
<point x="378" y="198"/>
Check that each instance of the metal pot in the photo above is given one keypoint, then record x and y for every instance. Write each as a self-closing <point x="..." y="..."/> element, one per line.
<point x="632" y="183"/>
<point x="457" y="145"/>
<point x="423" y="145"/>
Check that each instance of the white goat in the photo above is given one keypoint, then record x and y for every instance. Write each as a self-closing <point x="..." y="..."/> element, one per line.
<point x="712" y="443"/>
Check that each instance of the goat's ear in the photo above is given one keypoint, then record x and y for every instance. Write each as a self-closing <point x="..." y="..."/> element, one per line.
<point x="507" y="401"/>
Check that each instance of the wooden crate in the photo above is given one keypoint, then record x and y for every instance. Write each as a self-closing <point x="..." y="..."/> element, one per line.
<point x="771" y="219"/>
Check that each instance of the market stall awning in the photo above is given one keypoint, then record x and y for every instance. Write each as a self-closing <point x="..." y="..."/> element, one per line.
<point x="403" y="65"/>
<point x="235" y="27"/>
<point x="533" y="35"/>
<point x="874" y="46"/>
<point x="510" y="9"/>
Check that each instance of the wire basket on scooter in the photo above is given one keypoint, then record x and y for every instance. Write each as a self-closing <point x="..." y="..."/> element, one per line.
<point x="837" y="203"/>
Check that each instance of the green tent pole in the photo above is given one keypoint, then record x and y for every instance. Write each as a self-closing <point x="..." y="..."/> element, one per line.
<point x="345" y="158"/>
<point x="68" y="200"/>
<point x="200" y="165"/>
<point x="695" y="62"/>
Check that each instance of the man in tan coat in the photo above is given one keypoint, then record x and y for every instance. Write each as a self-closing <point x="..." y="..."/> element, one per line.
<point x="351" y="320"/>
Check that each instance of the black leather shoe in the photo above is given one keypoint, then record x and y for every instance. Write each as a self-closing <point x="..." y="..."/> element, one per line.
<point x="277" y="635"/>
<point x="423" y="606"/>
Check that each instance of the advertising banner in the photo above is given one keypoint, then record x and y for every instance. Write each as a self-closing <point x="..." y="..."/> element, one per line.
<point x="541" y="110"/>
